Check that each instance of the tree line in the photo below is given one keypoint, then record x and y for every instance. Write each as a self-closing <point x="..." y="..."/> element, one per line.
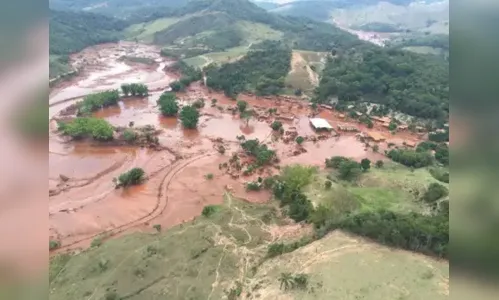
<point x="262" y="71"/>
<point x="135" y="89"/>
<point x="189" y="75"/>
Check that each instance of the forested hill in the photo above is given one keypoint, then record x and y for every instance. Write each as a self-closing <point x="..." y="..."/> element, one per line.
<point x="414" y="84"/>
<point x="72" y="31"/>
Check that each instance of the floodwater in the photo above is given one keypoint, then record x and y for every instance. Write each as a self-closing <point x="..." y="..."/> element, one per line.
<point x="83" y="202"/>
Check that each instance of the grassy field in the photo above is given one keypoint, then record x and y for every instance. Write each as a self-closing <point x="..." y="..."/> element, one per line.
<point x="256" y="32"/>
<point x="144" y="32"/>
<point x="217" y="57"/>
<point x="393" y="187"/>
<point x="191" y="261"/>
<point x="342" y="266"/>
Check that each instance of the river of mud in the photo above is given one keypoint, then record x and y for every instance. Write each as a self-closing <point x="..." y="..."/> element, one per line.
<point x="83" y="202"/>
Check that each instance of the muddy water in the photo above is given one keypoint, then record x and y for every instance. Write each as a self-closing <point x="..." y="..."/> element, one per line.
<point x="87" y="205"/>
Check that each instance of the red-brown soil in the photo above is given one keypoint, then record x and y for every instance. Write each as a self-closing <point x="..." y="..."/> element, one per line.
<point x="84" y="203"/>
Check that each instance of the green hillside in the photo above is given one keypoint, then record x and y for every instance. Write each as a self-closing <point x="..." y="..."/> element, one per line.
<point x="73" y="31"/>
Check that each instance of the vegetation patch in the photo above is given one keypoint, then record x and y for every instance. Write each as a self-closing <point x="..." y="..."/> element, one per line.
<point x="97" y="101"/>
<point x="133" y="177"/>
<point x="262" y="71"/>
<point x="80" y="128"/>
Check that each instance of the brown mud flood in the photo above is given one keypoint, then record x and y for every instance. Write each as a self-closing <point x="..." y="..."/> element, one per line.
<point x="84" y="203"/>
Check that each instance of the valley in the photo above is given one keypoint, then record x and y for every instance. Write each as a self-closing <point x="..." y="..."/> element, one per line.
<point x="213" y="150"/>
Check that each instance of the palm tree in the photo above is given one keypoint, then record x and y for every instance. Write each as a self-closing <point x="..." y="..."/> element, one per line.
<point x="286" y="280"/>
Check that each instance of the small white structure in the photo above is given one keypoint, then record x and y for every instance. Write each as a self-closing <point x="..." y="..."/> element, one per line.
<point x="320" y="124"/>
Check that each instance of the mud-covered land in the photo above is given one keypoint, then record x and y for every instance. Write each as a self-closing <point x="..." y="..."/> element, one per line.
<point x="84" y="203"/>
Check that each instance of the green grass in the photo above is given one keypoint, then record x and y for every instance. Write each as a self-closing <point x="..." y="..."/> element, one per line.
<point x="256" y="32"/>
<point x="180" y="263"/>
<point x="393" y="187"/>
<point x="341" y="266"/>
<point x="144" y="32"/>
<point x="217" y="57"/>
<point x="196" y="61"/>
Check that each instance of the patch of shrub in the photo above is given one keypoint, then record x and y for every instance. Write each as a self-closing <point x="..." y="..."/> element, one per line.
<point x="442" y="154"/>
<point x="54" y="244"/>
<point x="410" y="158"/>
<point x="157" y="227"/>
<point x="349" y="170"/>
<point x="335" y="161"/>
<point x="259" y="151"/>
<point x="379" y="164"/>
<point x="129" y="135"/>
<point x="440" y="175"/>
<point x="253" y="186"/>
<point x="135" y="89"/>
<point x="242" y="105"/>
<point x="328" y="185"/>
<point x="300" y="281"/>
<point x="96" y="242"/>
<point x="427" y="234"/>
<point x="435" y="192"/>
<point x="132" y="177"/>
<point x="299" y="140"/>
<point x="276" y="125"/>
<point x="97" y="101"/>
<point x="209" y="210"/>
<point x="78" y="128"/>
<point x="198" y="104"/>
<point x="168" y="104"/>
<point x="365" y="164"/>
<point x="276" y="249"/>
<point x="189" y="116"/>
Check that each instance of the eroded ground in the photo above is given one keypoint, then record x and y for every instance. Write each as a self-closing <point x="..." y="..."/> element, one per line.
<point x="84" y="204"/>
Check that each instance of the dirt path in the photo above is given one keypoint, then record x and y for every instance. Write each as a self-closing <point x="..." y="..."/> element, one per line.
<point x="297" y="62"/>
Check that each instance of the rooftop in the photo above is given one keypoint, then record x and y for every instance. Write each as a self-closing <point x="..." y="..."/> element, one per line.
<point x="319" y="123"/>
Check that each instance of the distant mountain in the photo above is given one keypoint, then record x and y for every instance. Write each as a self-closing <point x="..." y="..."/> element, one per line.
<point x="203" y="24"/>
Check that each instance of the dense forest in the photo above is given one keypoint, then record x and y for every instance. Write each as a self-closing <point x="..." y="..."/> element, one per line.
<point x="72" y="31"/>
<point x="262" y="70"/>
<point x="413" y="84"/>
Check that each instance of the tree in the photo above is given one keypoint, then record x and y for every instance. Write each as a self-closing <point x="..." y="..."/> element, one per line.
<point x="365" y="164"/>
<point x="242" y="105"/>
<point x="168" y="107"/>
<point x="189" y="116"/>
<point x="247" y="115"/>
<point x="126" y="89"/>
<point x="177" y="86"/>
<point x="299" y="140"/>
<point x="349" y="170"/>
<point x="132" y="177"/>
<point x="392" y="126"/>
<point x="286" y="281"/>
<point x="375" y="148"/>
